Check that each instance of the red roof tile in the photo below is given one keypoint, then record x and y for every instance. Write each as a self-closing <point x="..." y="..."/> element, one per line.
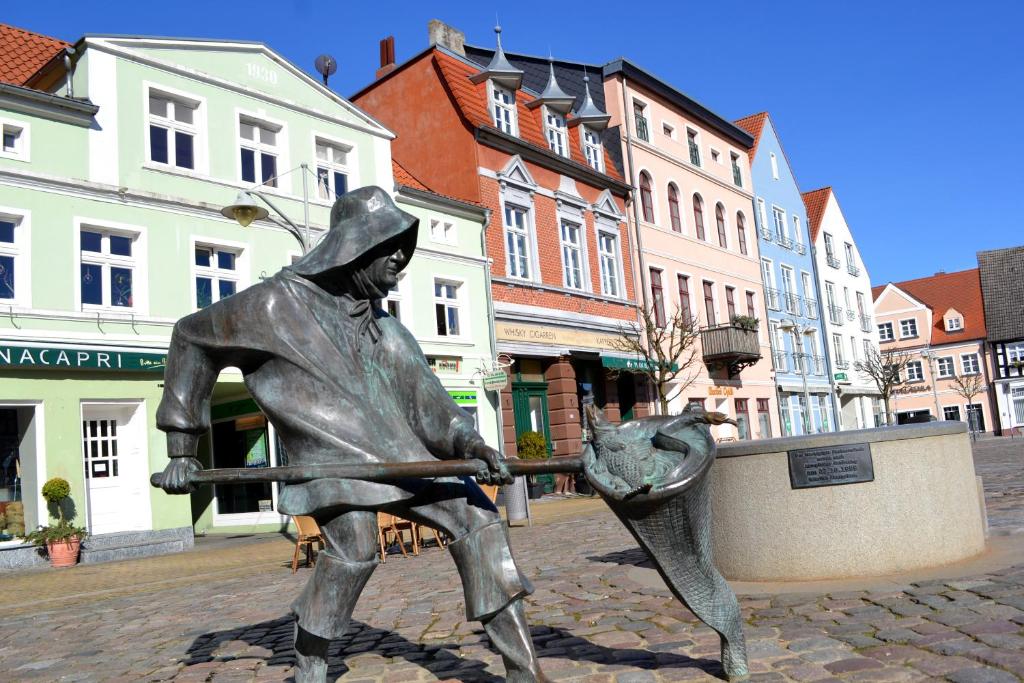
<point x="753" y="124"/>
<point x="22" y="53"/>
<point x="815" y="202"/>
<point x="403" y="177"/>
<point x="942" y="291"/>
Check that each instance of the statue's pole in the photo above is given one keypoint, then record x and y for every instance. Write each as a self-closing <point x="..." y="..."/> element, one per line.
<point x="383" y="471"/>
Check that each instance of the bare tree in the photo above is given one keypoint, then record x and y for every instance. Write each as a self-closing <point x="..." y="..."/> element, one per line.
<point x="969" y="386"/>
<point x="667" y="354"/>
<point x="886" y="369"/>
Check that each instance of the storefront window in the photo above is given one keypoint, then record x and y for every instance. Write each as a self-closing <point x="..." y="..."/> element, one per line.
<point x="242" y="443"/>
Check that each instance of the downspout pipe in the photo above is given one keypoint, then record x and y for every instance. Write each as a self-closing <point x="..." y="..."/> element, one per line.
<point x="491" y="321"/>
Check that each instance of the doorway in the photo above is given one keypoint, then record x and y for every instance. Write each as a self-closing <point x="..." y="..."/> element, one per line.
<point x="245" y="442"/>
<point x="626" y="385"/>
<point x="116" y="465"/>
<point x="530" y="410"/>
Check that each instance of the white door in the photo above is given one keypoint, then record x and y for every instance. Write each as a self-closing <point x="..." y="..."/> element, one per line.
<point x="116" y="467"/>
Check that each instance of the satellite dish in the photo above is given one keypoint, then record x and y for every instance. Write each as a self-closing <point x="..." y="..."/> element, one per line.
<point x="326" y="65"/>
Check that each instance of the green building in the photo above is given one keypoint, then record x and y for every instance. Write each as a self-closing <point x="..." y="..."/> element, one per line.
<point x="118" y="157"/>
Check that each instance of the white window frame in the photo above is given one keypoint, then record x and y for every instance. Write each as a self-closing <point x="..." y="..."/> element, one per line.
<point x="21" y="251"/>
<point x="888" y="326"/>
<point x="22" y="150"/>
<point x="528" y="241"/>
<point x="868" y="346"/>
<point x="954" y="324"/>
<point x="580" y="248"/>
<point x="458" y="303"/>
<point x="939" y="374"/>
<point x="400" y="296"/>
<point x="797" y="233"/>
<point x="976" y="363"/>
<point x="762" y="214"/>
<point x="778" y="212"/>
<point x="912" y="335"/>
<point x="668" y="130"/>
<point x="734" y="159"/>
<point x="854" y="353"/>
<point x="241" y="271"/>
<point x="138" y="262"/>
<point x="592" y="152"/>
<point x="611" y="230"/>
<point x="448" y="233"/>
<point x="493" y="104"/>
<point x="279" y="149"/>
<point x="716" y="155"/>
<point x="197" y="129"/>
<point x="556" y="130"/>
<point x="349" y="168"/>
<point x="918" y="371"/>
<point x="698" y="142"/>
<point x="837" y="346"/>
<point x="775" y="166"/>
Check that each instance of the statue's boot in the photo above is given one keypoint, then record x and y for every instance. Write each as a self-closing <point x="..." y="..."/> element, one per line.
<point x="494" y="589"/>
<point x="323" y="609"/>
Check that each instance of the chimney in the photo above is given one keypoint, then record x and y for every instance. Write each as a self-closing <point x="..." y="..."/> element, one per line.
<point x="387" y="57"/>
<point x="440" y="33"/>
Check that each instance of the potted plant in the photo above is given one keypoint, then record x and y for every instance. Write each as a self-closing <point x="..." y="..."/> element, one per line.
<point x="532" y="446"/>
<point x="62" y="540"/>
<point x="746" y="322"/>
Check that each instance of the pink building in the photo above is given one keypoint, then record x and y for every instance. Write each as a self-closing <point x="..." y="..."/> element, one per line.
<point x="941" y="321"/>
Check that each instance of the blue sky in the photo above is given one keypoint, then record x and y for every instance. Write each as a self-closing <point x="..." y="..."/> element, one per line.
<point x="910" y="110"/>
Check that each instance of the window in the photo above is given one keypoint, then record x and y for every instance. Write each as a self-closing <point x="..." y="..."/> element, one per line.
<point x="331" y="169"/>
<point x="737" y="176"/>
<point x="15" y="141"/>
<point x="442" y="231"/>
<point x="216" y="274"/>
<point x="945" y="366"/>
<point x="730" y="301"/>
<point x="709" y="302"/>
<point x="762" y="215"/>
<point x="1015" y="352"/>
<point x="555" y="124"/>
<point x="908" y="328"/>
<point x="742" y="418"/>
<point x="830" y="255"/>
<point x="854" y="353"/>
<point x="720" y="221"/>
<point x="698" y="215"/>
<point x="764" y="420"/>
<point x="503" y="109"/>
<point x="592" y="149"/>
<point x="716" y="156"/>
<point x="673" y="208"/>
<point x="608" y="252"/>
<point x="741" y="232"/>
<point x="572" y="259"/>
<point x="951" y="413"/>
<point x="850" y="260"/>
<point x="969" y="363"/>
<point x="668" y="131"/>
<point x="172" y="130"/>
<point x="646" y="200"/>
<point x="797" y="233"/>
<point x="860" y="304"/>
<point x="954" y="324"/>
<point x="517" y="236"/>
<point x="915" y="371"/>
<point x="107" y="268"/>
<point x="640" y="118"/>
<point x="698" y="400"/>
<point x="775" y="166"/>
<point x="867" y="350"/>
<point x="684" y="297"/>
<point x="751" y="307"/>
<point x="691" y="143"/>
<point x="259" y="151"/>
<point x="9" y="253"/>
<point x="781" y="229"/>
<point x="446" y="308"/>
<point x="837" y="347"/>
<point x="885" y="332"/>
<point x="657" y="298"/>
<point x="393" y="300"/>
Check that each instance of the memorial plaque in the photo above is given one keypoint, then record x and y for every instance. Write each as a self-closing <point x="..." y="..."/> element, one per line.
<point x="830" y="466"/>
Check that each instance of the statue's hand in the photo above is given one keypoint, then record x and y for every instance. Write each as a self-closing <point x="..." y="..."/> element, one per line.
<point x="496" y="472"/>
<point x="175" y="477"/>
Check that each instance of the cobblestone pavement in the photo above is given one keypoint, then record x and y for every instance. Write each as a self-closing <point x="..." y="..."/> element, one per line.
<point x="1000" y="464"/>
<point x="220" y="615"/>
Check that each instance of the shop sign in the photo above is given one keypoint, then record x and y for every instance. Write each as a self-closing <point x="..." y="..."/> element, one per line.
<point x="632" y="364"/>
<point x="80" y="359"/>
<point x="720" y="391"/>
<point x="463" y="397"/>
<point x="554" y="336"/>
<point x="912" y="389"/>
<point x="842" y="377"/>
<point x="495" y="381"/>
<point x="266" y="505"/>
<point x="445" y="365"/>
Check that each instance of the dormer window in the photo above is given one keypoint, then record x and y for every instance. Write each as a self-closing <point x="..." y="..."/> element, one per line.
<point x="554" y="123"/>
<point x="503" y="107"/>
<point x="954" y="324"/>
<point x="592" y="149"/>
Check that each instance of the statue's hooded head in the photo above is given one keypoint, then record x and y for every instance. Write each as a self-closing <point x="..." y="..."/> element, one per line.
<point x="370" y="241"/>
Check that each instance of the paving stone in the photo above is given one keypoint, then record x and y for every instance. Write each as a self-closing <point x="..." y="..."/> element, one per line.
<point x="981" y="674"/>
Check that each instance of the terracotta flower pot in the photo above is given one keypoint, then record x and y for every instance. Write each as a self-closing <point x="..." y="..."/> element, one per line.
<point x="63" y="553"/>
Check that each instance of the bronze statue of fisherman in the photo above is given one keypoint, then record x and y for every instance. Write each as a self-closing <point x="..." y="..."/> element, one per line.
<point x="343" y="382"/>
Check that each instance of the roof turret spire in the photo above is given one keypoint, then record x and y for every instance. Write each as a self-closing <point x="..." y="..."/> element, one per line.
<point x="500" y="70"/>
<point x="553" y="96"/>
<point x="589" y="114"/>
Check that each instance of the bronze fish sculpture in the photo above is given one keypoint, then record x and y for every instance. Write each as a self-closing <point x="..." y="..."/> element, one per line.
<point x="652" y="473"/>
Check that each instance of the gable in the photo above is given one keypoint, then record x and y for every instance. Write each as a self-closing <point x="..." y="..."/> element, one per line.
<point x="893" y="299"/>
<point x="250" y="67"/>
<point x="515" y="172"/>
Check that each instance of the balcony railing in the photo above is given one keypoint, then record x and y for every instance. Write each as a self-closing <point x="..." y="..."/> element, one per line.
<point x="783" y="240"/>
<point x="780" y="360"/>
<point x="832" y="261"/>
<point x="773" y="299"/>
<point x="792" y="303"/>
<point x="819" y="365"/>
<point x="811" y="308"/>
<point x="842" y="364"/>
<point x="852" y="269"/>
<point x="730" y="347"/>
<point x="851" y="314"/>
<point x="835" y="315"/>
<point x="642" y="131"/>
<point x="865" y="323"/>
<point x="766" y="233"/>
<point x="799" y="248"/>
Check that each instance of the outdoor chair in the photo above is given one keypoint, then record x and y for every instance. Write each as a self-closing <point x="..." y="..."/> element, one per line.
<point x="391" y="530"/>
<point x="308" y="532"/>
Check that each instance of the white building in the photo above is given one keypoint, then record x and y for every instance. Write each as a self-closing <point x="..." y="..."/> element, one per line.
<point x="849" y="316"/>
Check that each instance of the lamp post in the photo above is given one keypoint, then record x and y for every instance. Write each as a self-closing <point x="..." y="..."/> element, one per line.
<point x="245" y="210"/>
<point x="927" y="353"/>
<point x="801" y="331"/>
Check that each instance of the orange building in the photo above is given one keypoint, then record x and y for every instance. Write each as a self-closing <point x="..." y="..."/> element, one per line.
<point x="561" y="273"/>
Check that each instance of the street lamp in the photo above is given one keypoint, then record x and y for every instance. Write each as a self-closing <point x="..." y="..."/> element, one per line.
<point x="801" y="330"/>
<point x="927" y="353"/>
<point x="245" y="209"/>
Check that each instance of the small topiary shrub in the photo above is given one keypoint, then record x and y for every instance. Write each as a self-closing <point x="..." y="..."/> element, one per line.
<point x="532" y="446"/>
<point x="56" y="490"/>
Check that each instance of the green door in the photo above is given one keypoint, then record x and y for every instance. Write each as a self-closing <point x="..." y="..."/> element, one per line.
<point x="530" y="409"/>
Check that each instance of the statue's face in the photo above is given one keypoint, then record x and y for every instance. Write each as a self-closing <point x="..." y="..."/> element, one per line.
<point x="384" y="268"/>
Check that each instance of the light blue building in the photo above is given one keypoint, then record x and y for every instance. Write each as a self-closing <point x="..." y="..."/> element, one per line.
<point x="799" y="352"/>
